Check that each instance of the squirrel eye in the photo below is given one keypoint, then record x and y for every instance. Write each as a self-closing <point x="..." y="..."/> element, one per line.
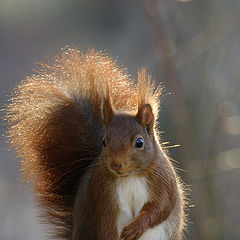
<point x="103" y="142"/>
<point x="139" y="143"/>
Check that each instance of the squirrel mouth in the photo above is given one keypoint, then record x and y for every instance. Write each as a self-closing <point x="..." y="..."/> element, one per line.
<point x="119" y="173"/>
<point x="122" y="173"/>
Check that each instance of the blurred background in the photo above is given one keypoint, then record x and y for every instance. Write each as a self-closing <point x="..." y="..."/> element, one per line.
<point x="192" y="47"/>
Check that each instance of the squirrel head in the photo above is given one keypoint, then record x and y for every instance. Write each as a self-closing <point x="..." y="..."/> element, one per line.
<point x="129" y="141"/>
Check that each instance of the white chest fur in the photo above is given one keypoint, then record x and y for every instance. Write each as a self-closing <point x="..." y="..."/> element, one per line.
<point x="132" y="193"/>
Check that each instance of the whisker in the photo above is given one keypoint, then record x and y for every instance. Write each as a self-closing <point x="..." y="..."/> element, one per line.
<point x="173" y="160"/>
<point x="173" y="146"/>
<point x="164" y="143"/>
<point x="180" y="169"/>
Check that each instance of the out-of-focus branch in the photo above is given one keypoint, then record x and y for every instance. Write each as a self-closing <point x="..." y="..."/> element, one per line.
<point x="178" y="111"/>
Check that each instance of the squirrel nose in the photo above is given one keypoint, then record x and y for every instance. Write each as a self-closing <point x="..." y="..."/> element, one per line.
<point x="116" y="166"/>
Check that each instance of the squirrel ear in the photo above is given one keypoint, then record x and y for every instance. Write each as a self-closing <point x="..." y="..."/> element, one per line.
<point x="107" y="111"/>
<point x="146" y="117"/>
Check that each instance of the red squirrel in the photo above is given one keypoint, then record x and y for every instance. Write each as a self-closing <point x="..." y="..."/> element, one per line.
<point x="89" y="144"/>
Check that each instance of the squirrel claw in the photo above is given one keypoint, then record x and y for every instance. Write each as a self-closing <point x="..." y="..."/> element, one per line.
<point x="132" y="232"/>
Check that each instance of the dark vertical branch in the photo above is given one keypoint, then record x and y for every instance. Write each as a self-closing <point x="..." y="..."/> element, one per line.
<point x="178" y="111"/>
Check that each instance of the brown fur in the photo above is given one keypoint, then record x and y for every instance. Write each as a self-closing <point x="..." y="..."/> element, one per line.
<point x="56" y="125"/>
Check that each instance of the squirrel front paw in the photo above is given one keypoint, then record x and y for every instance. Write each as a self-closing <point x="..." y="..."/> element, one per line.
<point x="135" y="229"/>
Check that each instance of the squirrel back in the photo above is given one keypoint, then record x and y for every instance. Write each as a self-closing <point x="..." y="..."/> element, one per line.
<point x="56" y="124"/>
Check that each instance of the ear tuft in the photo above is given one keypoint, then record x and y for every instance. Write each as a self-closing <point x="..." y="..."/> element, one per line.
<point x="146" y="117"/>
<point x="107" y="110"/>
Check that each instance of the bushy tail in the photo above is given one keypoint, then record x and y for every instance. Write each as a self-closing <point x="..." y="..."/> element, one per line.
<point x="56" y="126"/>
